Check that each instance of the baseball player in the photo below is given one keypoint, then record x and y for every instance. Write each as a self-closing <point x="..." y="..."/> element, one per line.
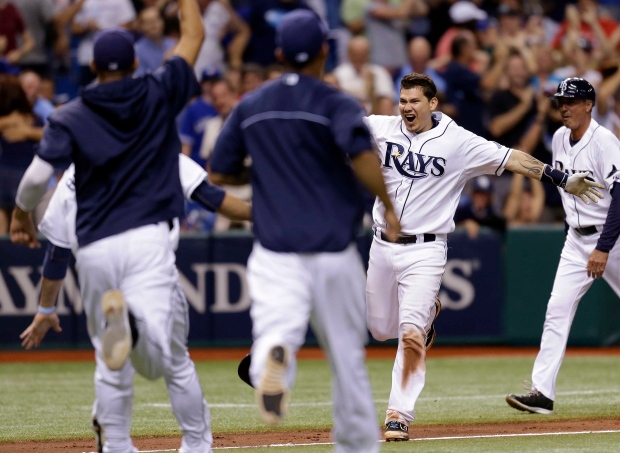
<point x="427" y="159"/>
<point x="58" y="225"/>
<point x="589" y="252"/>
<point x="307" y="142"/>
<point x="121" y="135"/>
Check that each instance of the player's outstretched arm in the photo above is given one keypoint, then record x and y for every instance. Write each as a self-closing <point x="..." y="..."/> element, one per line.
<point x="367" y="170"/>
<point x="235" y="209"/>
<point x="576" y="184"/>
<point x="192" y="31"/>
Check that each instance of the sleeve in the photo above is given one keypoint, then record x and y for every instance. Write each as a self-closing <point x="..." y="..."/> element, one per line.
<point x="56" y="145"/>
<point x="483" y="157"/>
<point x="191" y="175"/>
<point x="230" y="150"/>
<point x="611" y="228"/>
<point x="348" y="127"/>
<point x="54" y="224"/>
<point x="609" y="161"/>
<point x="209" y="196"/>
<point x="178" y="82"/>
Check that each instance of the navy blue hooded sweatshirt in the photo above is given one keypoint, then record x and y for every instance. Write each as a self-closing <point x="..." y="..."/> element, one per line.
<point x="124" y="142"/>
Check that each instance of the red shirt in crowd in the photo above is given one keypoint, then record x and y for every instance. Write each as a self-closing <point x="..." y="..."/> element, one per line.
<point x="608" y="26"/>
<point x="11" y="26"/>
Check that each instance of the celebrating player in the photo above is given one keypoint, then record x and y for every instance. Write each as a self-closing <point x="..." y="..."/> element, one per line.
<point x="58" y="225"/>
<point x="427" y="159"/>
<point x="307" y="141"/>
<point x="121" y="135"/>
<point x="589" y="252"/>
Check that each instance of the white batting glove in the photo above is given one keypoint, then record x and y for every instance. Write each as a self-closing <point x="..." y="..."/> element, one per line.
<point x="577" y="184"/>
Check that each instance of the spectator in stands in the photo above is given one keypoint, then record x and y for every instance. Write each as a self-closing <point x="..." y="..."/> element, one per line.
<point x="31" y="84"/>
<point x="369" y="83"/>
<point x="20" y="132"/>
<point x="464" y="15"/>
<point x="15" y="39"/>
<point x="386" y="28"/>
<point x="98" y="15"/>
<point x="274" y="71"/>
<point x="605" y="110"/>
<point x="525" y="202"/>
<point x="39" y="17"/>
<point x="195" y="117"/>
<point x="353" y="15"/>
<point x="224" y="100"/>
<point x="252" y="76"/>
<point x="477" y="210"/>
<point x="513" y="33"/>
<point x="419" y="56"/>
<point x="464" y="86"/>
<point x="582" y="63"/>
<point x="221" y="21"/>
<point x="331" y="79"/>
<point x="263" y="18"/>
<point x="153" y="48"/>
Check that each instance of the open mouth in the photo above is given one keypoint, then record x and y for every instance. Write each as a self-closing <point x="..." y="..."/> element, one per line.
<point x="410" y="118"/>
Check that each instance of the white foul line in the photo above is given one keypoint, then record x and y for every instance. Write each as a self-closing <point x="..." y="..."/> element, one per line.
<point x="482" y="436"/>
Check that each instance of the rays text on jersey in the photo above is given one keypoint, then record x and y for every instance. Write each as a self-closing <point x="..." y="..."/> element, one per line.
<point x="413" y="165"/>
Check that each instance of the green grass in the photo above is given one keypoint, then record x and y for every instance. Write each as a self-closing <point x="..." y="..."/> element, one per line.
<point x="53" y="401"/>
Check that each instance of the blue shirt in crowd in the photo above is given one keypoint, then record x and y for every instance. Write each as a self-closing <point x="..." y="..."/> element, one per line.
<point x="151" y="55"/>
<point x="192" y="126"/>
<point x="300" y="133"/>
<point x="124" y="142"/>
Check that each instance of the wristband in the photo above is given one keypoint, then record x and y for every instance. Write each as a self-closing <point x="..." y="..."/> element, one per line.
<point x="46" y="310"/>
<point x="557" y="177"/>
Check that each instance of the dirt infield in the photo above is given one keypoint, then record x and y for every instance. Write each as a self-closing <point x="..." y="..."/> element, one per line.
<point x="306" y="437"/>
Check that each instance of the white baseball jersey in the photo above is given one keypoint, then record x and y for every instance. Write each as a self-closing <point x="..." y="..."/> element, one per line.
<point x="426" y="173"/>
<point x="598" y="153"/>
<point x="58" y="223"/>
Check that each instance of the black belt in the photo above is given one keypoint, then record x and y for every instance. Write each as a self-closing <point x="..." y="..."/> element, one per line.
<point x="586" y="231"/>
<point x="409" y="239"/>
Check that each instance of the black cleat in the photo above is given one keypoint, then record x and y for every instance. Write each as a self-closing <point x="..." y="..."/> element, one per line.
<point x="396" y="431"/>
<point x="534" y="402"/>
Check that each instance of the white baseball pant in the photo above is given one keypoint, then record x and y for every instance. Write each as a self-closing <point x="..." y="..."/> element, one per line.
<point x="570" y="284"/>
<point x="141" y="264"/>
<point x="289" y="290"/>
<point x="403" y="281"/>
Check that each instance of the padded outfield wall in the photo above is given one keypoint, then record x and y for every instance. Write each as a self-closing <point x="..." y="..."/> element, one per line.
<point x="494" y="291"/>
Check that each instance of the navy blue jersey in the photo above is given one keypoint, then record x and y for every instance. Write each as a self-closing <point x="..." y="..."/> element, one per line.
<point x="123" y="140"/>
<point x="300" y="133"/>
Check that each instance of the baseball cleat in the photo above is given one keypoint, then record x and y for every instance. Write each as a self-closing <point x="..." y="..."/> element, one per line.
<point x="99" y="439"/>
<point x="396" y="431"/>
<point x="243" y="370"/>
<point x="534" y="402"/>
<point x="272" y="392"/>
<point x="116" y="337"/>
<point x="432" y="333"/>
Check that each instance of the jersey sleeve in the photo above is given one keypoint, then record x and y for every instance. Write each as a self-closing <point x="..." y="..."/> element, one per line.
<point x="348" y="127"/>
<point x="483" y="157"/>
<point x="230" y="150"/>
<point x="55" y="223"/>
<point x="56" y="145"/>
<point x="178" y="82"/>
<point x="191" y="175"/>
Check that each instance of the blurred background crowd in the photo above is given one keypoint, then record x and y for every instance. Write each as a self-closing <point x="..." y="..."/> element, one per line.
<point x="495" y="62"/>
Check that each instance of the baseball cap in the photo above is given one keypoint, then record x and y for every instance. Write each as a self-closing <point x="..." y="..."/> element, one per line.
<point x="482" y="184"/>
<point x="210" y="73"/>
<point x="575" y="87"/>
<point x="300" y="35"/>
<point x="465" y="11"/>
<point x="113" y="50"/>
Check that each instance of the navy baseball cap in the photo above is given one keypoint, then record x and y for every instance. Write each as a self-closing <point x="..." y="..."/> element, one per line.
<point x="301" y="35"/>
<point x="575" y="87"/>
<point x="482" y="184"/>
<point x="113" y="50"/>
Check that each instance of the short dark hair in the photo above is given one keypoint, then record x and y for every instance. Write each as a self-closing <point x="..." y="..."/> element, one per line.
<point x="458" y="44"/>
<point x="419" y="80"/>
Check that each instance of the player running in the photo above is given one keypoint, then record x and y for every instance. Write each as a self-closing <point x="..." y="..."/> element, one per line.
<point x="589" y="252"/>
<point x="121" y="135"/>
<point x="308" y="142"/>
<point x="427" y="159"/>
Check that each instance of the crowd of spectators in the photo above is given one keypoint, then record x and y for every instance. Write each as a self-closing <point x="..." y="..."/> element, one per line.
<point x="495" y="62"/>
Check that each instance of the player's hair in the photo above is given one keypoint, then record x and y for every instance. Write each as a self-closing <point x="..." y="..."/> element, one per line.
<point x="419" y="80"/>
